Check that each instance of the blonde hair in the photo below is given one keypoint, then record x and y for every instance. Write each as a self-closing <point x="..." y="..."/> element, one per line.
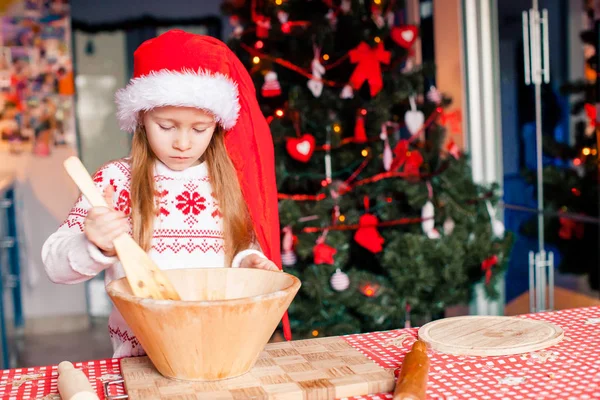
<point x="238" y="233"/>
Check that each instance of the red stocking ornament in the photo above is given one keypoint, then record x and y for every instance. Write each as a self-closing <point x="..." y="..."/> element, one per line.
<point x="367" y="235"/>
<point x="360" y="134"/>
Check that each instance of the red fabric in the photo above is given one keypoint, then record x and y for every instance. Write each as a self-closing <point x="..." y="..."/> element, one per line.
<point x="368" y="66"/>
<point x="249" y="143"/>
<point x="367" y="235"/>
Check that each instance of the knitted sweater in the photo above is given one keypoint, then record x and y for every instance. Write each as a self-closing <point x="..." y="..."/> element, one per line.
<point x="188" y="233"/>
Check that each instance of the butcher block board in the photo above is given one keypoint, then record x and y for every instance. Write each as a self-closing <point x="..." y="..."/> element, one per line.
<point x="489" y="335"/>
<point x="315" y="369"/>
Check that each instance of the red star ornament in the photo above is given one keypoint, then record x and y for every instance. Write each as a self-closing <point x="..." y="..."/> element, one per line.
<point x="323" y="254"/>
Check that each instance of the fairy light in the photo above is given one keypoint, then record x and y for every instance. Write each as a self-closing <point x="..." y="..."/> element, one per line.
<point x="576" y="192"/>
<point x="389" y="199"/>
<point x="337" y="128"/>
<point x="342" y="218"/>
<point x="324" y="182"/>
<point x="586" y="151"/>
<point x="259" y="44"/>
<point x="364" y="152"/>
<point x="594" y="152"/>
<point x="256" y="59"/>
<point x="325" y="57"/>
<point x="377" y="2"/>
<point x="279" y="112"/>
<point x="577" y="162"/>
<point x="315" y="333"/>
<point x="279" y="2"/>
<point x="363" y="111"/>
<point x="377" y="39"/>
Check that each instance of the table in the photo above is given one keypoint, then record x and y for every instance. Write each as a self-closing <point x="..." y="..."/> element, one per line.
<point x="569" y="370"/>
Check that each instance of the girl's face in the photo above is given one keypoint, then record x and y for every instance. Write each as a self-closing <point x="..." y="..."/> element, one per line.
<point x="179" y="136"/>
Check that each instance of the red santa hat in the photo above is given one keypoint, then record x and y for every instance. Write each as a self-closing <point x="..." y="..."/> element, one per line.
<point x="183" y="69"/>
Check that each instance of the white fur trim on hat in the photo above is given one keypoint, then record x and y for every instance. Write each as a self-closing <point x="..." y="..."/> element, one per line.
<point x="209" y="91"/>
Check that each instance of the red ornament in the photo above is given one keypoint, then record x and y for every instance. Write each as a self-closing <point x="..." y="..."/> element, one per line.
<point x="368" y="66"/>
<point x="263" y="25"/>
<point x="411" y="160"/>
<point x="367" y="235"/>
<point x="360" y="135"/>
<point x="569" y="227"/>
<point x="405" y="36"/>
<point x="323" y="254"/>
<point x="271" y="87"/>
<point x="486" y="266"/>
<point x="302" y="148"/>
<point x="453" y="149"/>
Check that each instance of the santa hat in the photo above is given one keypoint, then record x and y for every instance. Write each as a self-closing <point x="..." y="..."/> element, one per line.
<point x="183" y="69"/>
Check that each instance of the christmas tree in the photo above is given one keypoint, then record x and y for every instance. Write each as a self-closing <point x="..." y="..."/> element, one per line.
<point x="571" y="173"/>
<point x="380" y="216"/>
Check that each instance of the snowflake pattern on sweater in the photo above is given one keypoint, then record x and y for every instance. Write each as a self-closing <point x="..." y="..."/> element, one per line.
<point x="188" y="218"/>
<point x="188" y="233"/>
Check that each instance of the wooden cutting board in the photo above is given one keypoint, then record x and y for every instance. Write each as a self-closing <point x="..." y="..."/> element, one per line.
<point x="489" y="335"/>
<point x="315" y="369"/>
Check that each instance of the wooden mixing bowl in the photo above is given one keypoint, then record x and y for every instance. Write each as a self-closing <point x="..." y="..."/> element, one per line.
<point x="218" y="329"/>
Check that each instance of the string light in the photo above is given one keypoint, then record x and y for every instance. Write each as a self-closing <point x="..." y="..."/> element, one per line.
<point x="577" y="162"/>
<point x="364" y="152"/>
<point x="324" y="182"/>
<point x="363" y="111"/>
<point x="594" y="152"/>
<point x="586" y="151"/>
<point x="259" y="44"/>
<point x="278" y="2"/>
<point x="369" y="289"/>
<point x="377" y="39"/>
<point x="342" y="218"/>
<point x="337" y="128"/>
<point x="279" y="112"/>
<point x="256" y="59"/>
<point x="576" y="192"/>
<point x="325" y="57"/>
<point x="377" y="2"/>
<point x="389" y="199"/>
<point x="315" y="333"/>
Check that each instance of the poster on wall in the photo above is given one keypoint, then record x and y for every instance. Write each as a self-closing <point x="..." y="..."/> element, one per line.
<point x="36" y="77"/>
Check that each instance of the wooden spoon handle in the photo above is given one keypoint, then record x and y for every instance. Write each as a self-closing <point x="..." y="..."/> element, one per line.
<point x="84" y="182"/>
<point x="412" y="381"/>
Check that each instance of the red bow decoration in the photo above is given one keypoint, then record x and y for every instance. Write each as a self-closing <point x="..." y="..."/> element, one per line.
<point x="453" y="120"/>
<point x="411" y="160"/>
<point x="368" y="66"/>
<point x="486" y="266"/>
<point x="568" y="227"/>
<point x="591" y="112"/>
<point x="324" y="254"/>
<point x="367" y="235"/>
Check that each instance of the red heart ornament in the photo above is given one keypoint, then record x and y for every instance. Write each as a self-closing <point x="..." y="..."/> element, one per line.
<point x="302" y="148"/>
<point x="405" y="35"/>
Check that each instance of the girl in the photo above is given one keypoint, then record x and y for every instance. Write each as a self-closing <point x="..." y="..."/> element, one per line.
<point x="198" y="189"/>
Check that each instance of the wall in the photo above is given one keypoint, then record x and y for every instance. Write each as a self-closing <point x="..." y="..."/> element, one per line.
<point x="449" y="56"/>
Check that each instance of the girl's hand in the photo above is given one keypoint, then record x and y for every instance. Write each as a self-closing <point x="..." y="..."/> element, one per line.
<point x="256" y="261"/>
<point x="103" y="225"/>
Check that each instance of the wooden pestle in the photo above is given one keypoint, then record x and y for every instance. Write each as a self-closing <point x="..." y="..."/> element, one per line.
<point x="143" y="275"/>
<point x="412" y="381"/>
<point x="73" y="384"/>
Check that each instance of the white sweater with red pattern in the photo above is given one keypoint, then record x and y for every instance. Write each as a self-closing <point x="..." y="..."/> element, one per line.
<point x="188" y="233"/>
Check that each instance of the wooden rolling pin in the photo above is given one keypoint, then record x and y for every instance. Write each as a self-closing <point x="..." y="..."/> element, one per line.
<point x="412" y="381"/>
<point x="73" y="384"/>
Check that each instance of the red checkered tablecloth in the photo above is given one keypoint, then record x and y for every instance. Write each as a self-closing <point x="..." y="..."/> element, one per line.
<point x="568" y="370"/>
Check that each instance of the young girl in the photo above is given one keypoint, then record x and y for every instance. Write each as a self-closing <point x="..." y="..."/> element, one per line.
<point x="198" y="189"/>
